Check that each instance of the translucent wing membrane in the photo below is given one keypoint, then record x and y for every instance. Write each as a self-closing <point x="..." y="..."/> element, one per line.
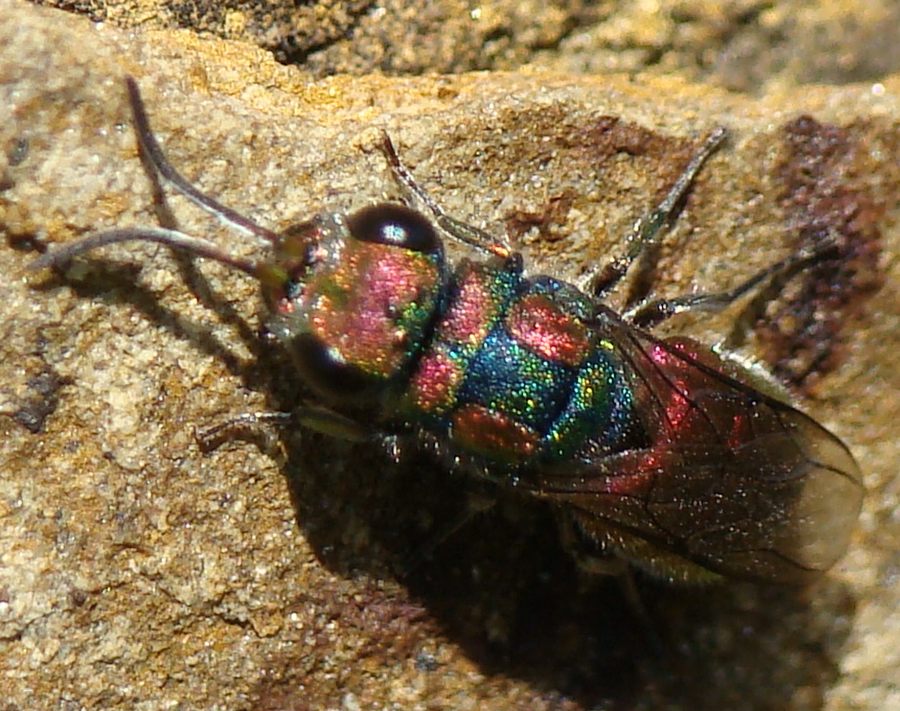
<point x="731" y="482"/>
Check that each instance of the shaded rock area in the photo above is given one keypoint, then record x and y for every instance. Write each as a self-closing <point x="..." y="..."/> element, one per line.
<point x="138" y="572"/>
<point x="745" y="45"/>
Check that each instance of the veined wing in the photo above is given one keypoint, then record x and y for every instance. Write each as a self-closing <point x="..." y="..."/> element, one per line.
<point x="732" y="481"/>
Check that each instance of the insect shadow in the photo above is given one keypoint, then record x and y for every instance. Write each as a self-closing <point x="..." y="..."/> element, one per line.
<point x="503" y="584"/>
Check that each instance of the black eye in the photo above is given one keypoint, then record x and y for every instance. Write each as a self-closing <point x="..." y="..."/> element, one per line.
<point x="326" y="374"/>
<point x="390" y="224"/>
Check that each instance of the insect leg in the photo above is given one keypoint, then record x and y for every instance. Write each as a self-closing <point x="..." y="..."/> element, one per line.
<point x="645" y="232"/>
<point x="595" y="563"/>
<point x="246" y="426"/>
<point x="457" y="229"/>
<point x="155" y="160"/>
<point x="313" y="417"/>
<point x="649" y="313"/>
<point x="328" y="422"/>
<point x="476" y="504"/>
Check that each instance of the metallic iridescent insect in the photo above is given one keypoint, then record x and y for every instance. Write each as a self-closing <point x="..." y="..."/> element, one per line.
<point x="654" y="450"/>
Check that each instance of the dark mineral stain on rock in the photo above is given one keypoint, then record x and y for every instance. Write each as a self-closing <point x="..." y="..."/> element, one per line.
<point x="824" y="197"/>
<point x="44" y="390"/>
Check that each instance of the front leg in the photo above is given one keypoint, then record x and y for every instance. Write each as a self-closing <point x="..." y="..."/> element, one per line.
<point x="257" y="426"/>
<point x="457" y="229"/>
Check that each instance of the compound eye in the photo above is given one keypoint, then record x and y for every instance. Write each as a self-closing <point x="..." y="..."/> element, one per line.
<point x="396" y="225"/>
<point x="326" y="372"/>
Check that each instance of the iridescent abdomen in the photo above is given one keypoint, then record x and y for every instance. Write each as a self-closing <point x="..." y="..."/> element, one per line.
<point x="515" y="373"/>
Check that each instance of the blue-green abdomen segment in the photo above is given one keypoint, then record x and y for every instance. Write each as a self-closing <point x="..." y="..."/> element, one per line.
<point x="600" y="411"/>
<point x="515" y="374"/>
<point x="505" y="376"/>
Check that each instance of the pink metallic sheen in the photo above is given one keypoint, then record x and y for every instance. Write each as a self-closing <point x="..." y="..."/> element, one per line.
<point x="469" y="318"/>
<point x="359" y="305"/>
<point x="434" y="384"/>
<point x="539" y="324"/>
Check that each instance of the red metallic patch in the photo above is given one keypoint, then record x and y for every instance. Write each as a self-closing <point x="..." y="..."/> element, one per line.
<point x="537" y="323"/>
<point x="740" y="426"/>
<point x="434" y="385"/>
<point x="678" y="409"/>
<point x="469" y="317"/>
<point x="493" y="434"/>
<point x="644" y="470"/>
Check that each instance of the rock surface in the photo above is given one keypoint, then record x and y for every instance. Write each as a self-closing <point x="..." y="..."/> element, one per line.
<point x="137" y="572"/>
<point x="745" y="45"/>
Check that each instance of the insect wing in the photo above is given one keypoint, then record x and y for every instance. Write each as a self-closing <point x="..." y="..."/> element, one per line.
<point x="731" y="481"/>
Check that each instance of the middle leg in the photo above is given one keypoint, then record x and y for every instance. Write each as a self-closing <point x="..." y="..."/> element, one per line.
<point x="645" y="232"/>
